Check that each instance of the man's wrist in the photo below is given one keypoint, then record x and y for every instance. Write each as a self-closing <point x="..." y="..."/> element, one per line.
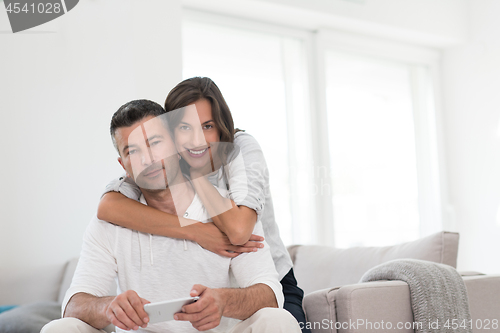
<point x="90" y="309"/>
<point x="104" y="304"/>
<point x="223" y="295"/>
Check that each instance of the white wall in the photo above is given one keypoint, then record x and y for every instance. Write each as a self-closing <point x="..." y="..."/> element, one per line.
<point x="471" y="85"/>
<point x="60" y="83"/>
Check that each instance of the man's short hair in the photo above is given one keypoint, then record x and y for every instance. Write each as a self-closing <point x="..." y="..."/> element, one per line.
<point x="132" y="112"/>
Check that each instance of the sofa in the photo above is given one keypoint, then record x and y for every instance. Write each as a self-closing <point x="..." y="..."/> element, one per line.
<point x="335" y="301"/>
<point x="328" y="276"/>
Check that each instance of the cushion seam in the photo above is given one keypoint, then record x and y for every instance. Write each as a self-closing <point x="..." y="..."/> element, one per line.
<point x="442" y="247"/>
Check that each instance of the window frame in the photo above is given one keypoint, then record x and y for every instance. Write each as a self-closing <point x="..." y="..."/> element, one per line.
<point x="435" y="214"/>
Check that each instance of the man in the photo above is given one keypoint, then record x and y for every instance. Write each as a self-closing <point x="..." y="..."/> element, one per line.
<point x="151" y="268"/>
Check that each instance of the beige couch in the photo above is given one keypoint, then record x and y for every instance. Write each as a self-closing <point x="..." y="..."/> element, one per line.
<point x="328" y="277"/>
<point x="336" y="302"/>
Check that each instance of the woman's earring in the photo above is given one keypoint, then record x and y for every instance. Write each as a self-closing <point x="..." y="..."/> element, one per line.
<point x="179" y="155"/>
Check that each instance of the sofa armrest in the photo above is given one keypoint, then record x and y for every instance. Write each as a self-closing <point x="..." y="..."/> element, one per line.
<point x="484" y="302"/>
<point x="338" y="309"/>
<point x="372" y="306"/>
<point x="377" y="306"/>
<point x="69" y="271"/>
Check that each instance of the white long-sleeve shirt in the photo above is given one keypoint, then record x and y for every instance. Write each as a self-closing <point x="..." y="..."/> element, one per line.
<point x="161" y="268"/>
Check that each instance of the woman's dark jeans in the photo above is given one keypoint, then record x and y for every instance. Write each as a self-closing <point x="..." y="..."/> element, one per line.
<point x="293" y="299"/>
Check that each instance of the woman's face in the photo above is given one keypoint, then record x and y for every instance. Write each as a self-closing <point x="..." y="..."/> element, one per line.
<point x="194" y="134"/>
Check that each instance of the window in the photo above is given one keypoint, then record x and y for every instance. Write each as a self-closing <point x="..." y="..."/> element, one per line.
<point x="372" y="150"/>
<point x="347" y="125"/>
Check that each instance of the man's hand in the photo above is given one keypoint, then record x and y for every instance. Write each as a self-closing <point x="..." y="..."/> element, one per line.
<point x="205" y="313"/>
<point x="126" y="311"/>
<point x="211" y="238"/>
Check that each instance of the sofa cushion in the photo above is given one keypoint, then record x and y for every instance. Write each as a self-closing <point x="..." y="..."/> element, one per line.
<point x="320" y="267"/>
<point x="25" y="285"/>
<point x="29" y="318"/>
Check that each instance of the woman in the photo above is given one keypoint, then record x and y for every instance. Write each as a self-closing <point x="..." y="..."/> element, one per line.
<point x="205" y="159"/>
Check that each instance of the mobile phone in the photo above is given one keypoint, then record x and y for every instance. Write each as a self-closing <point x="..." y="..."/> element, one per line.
<point x="163" y="311"/>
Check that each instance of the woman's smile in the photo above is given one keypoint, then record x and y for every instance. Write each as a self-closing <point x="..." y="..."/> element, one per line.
<point x="197" y="152"/>
<point x="195" y="133"/>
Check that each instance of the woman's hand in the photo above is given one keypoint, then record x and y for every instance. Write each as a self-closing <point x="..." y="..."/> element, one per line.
<point x="211" y="238"/>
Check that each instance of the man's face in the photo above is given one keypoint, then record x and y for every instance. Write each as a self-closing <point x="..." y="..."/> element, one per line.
<point x="148" y="153"/>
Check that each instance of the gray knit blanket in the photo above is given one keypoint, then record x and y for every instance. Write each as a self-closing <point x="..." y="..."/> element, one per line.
<point x="437" y="291"/>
